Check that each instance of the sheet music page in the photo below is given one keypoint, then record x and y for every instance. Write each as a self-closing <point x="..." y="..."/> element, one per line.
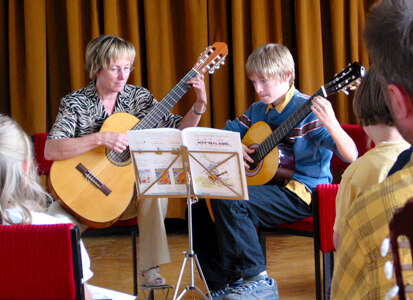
<point x="100" y="293"/>
<point x="152" y="163"/>
<point x="224" y="175"/>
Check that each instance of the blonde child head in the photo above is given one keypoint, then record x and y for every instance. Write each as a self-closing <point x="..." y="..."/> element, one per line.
<point x="19" y="187"/>
<point x="271" y="61"/>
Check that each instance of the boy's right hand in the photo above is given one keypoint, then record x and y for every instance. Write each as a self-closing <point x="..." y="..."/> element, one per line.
<point x="246" y="152"/>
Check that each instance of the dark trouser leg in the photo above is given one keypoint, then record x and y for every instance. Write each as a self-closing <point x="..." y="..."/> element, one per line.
<point x="206" y="246"/>
<point x="236" y="221"/>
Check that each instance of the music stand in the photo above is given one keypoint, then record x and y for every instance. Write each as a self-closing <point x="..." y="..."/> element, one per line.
<point x="201" y="176"/>
<point x="190" y="254"/>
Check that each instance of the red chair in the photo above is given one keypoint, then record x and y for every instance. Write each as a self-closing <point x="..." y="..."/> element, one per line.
<point x="324" y="213"/>
<point x="121" y="226"/>
<point x="320" y="225"/>
<point x="40" y="262"/>
<point x="43" y="165"/>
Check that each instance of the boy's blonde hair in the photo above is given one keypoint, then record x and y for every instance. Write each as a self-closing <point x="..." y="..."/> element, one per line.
<point x="271" y="61"/>
<point x="104" y="50"/>
<point x="18" y="189"/>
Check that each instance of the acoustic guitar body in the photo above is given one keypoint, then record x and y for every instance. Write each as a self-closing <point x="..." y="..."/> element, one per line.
<point x="83" y="198"/>
<point x="277" y="167"/>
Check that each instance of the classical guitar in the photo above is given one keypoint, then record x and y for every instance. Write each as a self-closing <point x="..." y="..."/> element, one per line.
<point x="98" y="185"/>
<point x="273" y="160"/>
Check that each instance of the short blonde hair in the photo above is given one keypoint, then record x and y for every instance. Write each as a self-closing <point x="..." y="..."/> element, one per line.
<point x="18" y="188"/>
<point x="271" y="61"/>
<point x="102" y="51"/>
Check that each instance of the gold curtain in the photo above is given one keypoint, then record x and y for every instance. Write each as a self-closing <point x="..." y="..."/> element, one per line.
<point x="42" y="45"/>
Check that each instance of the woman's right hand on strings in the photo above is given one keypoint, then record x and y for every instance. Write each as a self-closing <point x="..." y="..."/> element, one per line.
<point x="115" y="141"/>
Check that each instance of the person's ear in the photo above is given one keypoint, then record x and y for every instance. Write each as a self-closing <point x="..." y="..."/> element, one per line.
<point x="400" y="101"/>
<point x="287" y="77"/>
<point x="26" y="166"/>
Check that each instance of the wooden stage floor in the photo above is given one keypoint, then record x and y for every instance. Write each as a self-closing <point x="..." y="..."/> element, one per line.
<point x="289" y="260"/>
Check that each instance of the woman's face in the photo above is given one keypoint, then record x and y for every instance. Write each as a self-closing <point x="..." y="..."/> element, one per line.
<point x="114" y="78"/>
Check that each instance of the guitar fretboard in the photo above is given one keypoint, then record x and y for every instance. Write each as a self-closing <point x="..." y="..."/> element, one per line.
<point x="284" y="128"/>
<point x="165" y="105"/>
<point x="159" y="111"/>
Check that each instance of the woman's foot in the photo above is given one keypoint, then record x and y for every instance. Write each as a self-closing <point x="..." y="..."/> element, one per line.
<point x="151" y="277"/>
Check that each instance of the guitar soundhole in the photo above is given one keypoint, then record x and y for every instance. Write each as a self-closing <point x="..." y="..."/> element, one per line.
<point x="119" y="159"/>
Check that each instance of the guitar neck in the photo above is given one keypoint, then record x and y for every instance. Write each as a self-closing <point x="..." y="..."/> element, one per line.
<point x="164" y="106"/>
<point x="284" y="128"/>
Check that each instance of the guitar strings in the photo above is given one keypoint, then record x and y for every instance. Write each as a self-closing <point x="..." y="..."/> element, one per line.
<point x="274" y="139"/>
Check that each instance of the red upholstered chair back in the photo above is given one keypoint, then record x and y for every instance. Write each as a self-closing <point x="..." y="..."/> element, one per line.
<point x="326" y="204"/>
<point x="359" y="137"/>
<point x="40" y="262"/>
<point x="43" y="165"/>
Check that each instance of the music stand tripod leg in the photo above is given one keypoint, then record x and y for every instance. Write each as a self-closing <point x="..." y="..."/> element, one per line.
<point x="190" y="254"/>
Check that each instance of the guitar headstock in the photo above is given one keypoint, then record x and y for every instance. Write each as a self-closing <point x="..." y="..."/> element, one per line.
<point x="212" y="58"/>
<point x="348" y="79"/>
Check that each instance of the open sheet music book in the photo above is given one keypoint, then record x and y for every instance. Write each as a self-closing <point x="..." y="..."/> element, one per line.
<point x="214" y="157"/>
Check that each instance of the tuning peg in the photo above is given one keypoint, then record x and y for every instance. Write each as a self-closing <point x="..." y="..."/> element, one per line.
<point x="211" y="71"/>
<point x="352" y="87"/>
<point x="385" y="247"/>
<point x="388" y="269"/>
<point x="392" y="292"/>
<point x="344" y="91"/>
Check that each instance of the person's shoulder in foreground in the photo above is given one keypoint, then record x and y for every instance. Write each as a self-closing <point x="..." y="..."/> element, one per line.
<point x="359" y="266"/>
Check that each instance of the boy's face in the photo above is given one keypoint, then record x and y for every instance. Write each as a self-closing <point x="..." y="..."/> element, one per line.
<point x="270" y="90"/>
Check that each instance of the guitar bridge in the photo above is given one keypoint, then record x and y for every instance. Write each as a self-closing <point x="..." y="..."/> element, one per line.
<point x="93" y="179"/>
